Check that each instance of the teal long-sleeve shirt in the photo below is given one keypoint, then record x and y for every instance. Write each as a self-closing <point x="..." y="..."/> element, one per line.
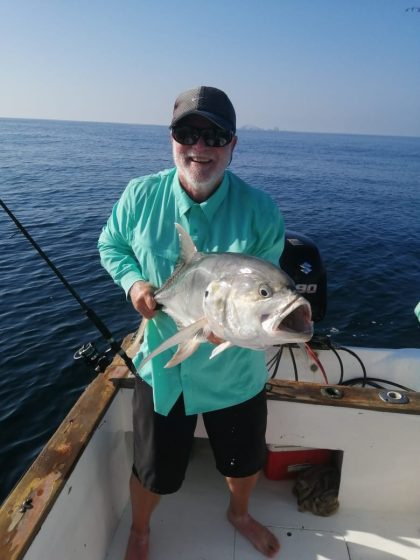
<point x="140" y="242"/>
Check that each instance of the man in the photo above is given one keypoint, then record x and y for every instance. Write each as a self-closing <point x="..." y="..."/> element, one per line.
<point x="139" y="248"/>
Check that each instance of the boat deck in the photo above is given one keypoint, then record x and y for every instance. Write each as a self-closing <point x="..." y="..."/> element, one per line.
<point x="191" y="524"/>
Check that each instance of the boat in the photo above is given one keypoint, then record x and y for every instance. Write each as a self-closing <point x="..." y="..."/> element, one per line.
<point x="73" y="502"/>
<point x="350" y="420"/>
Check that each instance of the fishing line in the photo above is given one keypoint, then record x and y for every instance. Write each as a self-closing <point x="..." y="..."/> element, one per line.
<point x="90" y="313"/>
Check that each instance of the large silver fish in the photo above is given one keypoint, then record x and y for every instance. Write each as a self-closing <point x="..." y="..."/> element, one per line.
<point x="243" y="300"/>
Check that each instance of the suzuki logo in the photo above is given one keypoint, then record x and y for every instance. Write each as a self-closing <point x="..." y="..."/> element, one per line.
<point x="306" y="268"/>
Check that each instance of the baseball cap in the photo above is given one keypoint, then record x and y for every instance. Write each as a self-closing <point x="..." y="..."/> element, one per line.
<point x="209" y="102"/>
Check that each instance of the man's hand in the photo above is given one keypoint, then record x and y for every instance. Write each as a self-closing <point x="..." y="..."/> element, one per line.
<point x="141" y="294"/>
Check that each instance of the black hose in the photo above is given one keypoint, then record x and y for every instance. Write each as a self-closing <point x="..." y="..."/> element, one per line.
<point x="294" y="362"/>
<point x="362" y="365"/>
<point x="275" y="361"/>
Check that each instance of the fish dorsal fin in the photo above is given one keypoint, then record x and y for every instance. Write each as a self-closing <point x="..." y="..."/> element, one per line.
<point x="187" y="249"/>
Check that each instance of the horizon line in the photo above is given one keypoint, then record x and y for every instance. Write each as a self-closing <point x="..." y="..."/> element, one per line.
<point x="245" y="127"/>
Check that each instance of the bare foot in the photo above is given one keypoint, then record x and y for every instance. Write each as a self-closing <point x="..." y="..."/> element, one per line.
<point x="263" y="539"/>
<point x="137" y="547"/>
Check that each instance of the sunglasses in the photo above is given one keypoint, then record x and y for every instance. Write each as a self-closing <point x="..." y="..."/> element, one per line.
<point x="213" y="137"/>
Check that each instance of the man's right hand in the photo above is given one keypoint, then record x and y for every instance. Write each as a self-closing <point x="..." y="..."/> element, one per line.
<point x="141" y="294"/>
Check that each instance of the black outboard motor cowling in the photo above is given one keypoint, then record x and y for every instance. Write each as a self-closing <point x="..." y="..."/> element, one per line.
<point x="302" y="262"/>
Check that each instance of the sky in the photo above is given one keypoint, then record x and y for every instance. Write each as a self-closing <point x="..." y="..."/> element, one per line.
<point x="346" y="66"/>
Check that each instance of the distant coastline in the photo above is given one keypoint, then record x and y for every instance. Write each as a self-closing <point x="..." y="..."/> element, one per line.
<point x="258" y="128"/>
<point x="245" y="127"/>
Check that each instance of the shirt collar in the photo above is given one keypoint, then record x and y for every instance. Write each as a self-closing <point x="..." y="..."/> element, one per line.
<point x="209" y="206"/>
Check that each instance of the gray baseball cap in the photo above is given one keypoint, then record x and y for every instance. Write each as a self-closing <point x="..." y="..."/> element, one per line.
<point x="209" y="102"/>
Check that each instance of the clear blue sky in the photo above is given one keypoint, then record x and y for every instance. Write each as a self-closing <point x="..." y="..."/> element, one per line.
<point x="303" y="65"/>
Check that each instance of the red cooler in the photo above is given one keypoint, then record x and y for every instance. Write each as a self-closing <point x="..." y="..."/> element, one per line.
<point x="285" y="462"/>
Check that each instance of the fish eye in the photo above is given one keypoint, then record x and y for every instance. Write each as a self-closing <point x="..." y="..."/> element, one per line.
<point x="206" y="293"/>
<point x="265" y="291"/>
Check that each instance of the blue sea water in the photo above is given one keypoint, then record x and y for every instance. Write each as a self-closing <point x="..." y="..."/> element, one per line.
<point x="356" y="197"/>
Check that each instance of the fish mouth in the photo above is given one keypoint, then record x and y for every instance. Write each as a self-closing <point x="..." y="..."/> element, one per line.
<point x="295" y="321"/>
<point x="298" y="321"/>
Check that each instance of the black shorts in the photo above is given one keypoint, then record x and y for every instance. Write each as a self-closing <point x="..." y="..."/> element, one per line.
<point x="162" y="444"/>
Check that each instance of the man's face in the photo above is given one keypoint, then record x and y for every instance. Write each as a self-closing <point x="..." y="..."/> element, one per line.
<point x="200" y="167"/>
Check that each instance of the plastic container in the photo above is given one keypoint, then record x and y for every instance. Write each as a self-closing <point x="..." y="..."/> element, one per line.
<point x="285" y="462"/>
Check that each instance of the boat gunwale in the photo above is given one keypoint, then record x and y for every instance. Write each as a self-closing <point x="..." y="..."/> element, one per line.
<point x="364" y="398"/>
<point x="41" y="485"/>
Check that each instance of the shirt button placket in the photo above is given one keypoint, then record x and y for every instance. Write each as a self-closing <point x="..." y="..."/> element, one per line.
<point x="197" y="226"/>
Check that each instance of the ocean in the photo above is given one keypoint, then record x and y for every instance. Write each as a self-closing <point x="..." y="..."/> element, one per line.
<point x="356" y="197"/>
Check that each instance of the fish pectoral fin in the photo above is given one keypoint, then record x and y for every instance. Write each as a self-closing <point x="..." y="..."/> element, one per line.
<point x="220" y="348"/>
<point x="194" y="331"/>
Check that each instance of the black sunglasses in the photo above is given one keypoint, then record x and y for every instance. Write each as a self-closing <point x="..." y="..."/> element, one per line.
<point x="213" y="137"/>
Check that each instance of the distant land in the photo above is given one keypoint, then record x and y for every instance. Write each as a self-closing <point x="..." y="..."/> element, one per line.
<point x="253" y="127"/>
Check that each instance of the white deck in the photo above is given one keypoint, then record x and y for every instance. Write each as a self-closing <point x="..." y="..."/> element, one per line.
<point x="191" y="525"/>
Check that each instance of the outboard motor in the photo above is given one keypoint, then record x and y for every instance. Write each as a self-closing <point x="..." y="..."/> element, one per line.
<point x="302" y="262"/>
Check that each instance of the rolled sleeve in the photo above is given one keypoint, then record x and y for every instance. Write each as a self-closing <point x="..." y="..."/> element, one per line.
<point x="115" y="249"/>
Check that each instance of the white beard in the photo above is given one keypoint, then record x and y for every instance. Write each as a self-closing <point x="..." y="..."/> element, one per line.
<point x="199" y="184"/>
<point x="201" y="170"/>
<point x="199" y="190"/>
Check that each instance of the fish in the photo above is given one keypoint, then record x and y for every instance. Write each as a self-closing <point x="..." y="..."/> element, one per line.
<point x="240" y="299"/>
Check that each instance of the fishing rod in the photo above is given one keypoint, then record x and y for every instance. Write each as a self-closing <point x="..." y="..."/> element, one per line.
<point x="90" y="313"/>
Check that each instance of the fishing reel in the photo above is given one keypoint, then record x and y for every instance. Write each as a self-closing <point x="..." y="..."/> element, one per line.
<point x="93" y="357"/>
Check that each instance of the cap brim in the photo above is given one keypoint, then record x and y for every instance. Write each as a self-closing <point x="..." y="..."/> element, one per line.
<point x="215" y="119"/>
